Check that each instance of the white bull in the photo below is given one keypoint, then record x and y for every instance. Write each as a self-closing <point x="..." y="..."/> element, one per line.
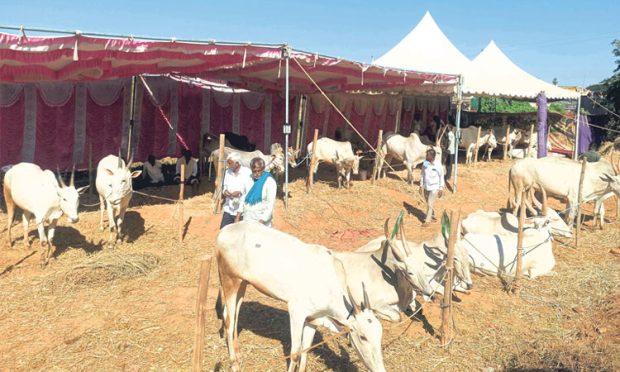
<point x="496" y="254"/>
<point x="409" y="150"/>
<point x="307" y="277"/>
<point x="340" y="154"/>
<point x="559" y="177"/>
<point x="468" y="142"/>
<point x="391" y="272"/>
<point x="514" y="136"/>
<point x="114" y="186"/>
<point x="482" y="222"/>
<point x="37" y="192"/>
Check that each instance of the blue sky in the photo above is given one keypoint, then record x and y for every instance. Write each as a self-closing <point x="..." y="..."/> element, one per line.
<point x="568" y="39"/>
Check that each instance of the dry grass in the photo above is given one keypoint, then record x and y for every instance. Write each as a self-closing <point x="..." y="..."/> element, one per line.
<point x="133" y="308"/>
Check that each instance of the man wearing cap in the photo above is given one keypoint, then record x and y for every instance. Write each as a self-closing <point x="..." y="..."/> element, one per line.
<point x="431" y="183"/>
<point x="237" y="183"/>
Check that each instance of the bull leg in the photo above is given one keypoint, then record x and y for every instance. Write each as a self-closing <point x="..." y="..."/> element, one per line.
<point x="10" y="211"/>
<point x="119" y="224"/>
<point x="51" y="249"/>
<point x="230" y="290"/>
<point x="111" y="222"/>
<point x="297" y="320"/>
<point x="26" y="223"/>
<point x="348" y="179"/>
<point x="307" y="337"/>
<point x="102" y="206"/>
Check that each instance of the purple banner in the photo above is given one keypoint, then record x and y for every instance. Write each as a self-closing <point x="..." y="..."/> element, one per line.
<point x="585" y="135"/>
<point x="541" y="101"/>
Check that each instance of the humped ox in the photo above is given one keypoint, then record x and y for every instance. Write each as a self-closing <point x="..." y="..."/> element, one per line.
<point x="482" y="222"/>
<point x="514" y="135"/>
<point x="468" y="142"/>
<point x="308" y="277"/>
<point x="494" y="254"/>
<point x="409" y="150"/>
<point x="114" y="186"/>
<point x="559" y="177"/>
<point x="339" y="154"/>
<point x="430" y="255"/>
<point x="37" y="193"/>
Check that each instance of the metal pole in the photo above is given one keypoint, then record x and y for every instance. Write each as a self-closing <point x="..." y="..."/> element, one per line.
<point x="457" y="138"/>
<point x="132" y="111"/>
<point x="577" y="128"/>
<point x="287" y="126"/>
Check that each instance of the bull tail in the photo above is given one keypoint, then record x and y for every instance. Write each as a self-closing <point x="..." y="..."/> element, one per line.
<point x="10" y="208"/>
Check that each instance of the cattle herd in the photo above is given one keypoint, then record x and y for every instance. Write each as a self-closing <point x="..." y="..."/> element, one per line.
<point x="344" y="291"/>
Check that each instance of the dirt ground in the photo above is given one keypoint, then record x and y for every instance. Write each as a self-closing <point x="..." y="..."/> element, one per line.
<point x="133" y="308"/>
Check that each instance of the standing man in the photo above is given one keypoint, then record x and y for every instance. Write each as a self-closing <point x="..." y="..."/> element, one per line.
<point x="450" y="150"/>
<point x="261" y="199"/>
<point x="237" y="183"/>
<point x="431" y="183"/>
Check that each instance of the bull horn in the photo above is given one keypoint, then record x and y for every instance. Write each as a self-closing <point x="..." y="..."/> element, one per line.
<point x="366" y="300"/>
<point x="386" y="229"/>
<point x="130" y="160"/>
<point x="62" y="182"/>
<point x="72" y="181"/>
<point x="404" y="240"/>
<point x="356" y="308"/>
<point x="120" y="160"/>
<point x="544" y="201"/>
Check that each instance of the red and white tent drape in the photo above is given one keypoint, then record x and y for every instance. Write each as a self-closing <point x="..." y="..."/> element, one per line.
<point x="54" y="124"/>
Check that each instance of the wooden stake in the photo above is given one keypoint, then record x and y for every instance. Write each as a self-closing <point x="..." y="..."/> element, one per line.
<point x="310" y="182"/>
<point x="201" y="314"/>
<point x="181" y="196"/>
<point x="446" y="303"/>
<point x="579" y="201"/>
<point x="506" y="142"/>
<point x="516" y="284"/>
<point x="477" y="146"/>
<point x="375" y="168"/>
<point x="219" y="175"/>
<point x="529" y="145"/>
<point x="90" y="168"/>
<point x="201" y="162"/>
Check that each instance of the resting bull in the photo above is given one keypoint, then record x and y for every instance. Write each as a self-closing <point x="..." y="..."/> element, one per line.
<point x="507" y="224"/>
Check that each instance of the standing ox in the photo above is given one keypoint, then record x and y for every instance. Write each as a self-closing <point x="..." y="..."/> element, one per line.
<point x="410" y="150"/>
<point x="390" y="272"/>
<point x="559" y="177"/>
<point x="339" y="154"/>
<point x="468" y="142"/>
<point x="36" y="192"/>
<point x="115" y="191"/>
<point x="430" y="255"/>
<point x="306" y="276"/>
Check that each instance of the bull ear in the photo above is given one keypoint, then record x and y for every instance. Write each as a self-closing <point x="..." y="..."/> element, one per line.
<point x="606" y="177"/>
<point x="136" y="174"/>
<point x="109" y="172"/>
<point x="72" y="181"/>
<point x="404" y="290"/>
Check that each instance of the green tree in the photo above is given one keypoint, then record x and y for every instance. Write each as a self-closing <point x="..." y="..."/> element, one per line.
<point x="555" y="81"/>
<point x="610" y="91"/>
<point x="490" y="104"/>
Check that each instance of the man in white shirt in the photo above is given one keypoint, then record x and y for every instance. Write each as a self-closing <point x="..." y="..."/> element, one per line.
<point x="431" y="183"/>
<point x="237" y="183"/>
<point x="261" y="199"/>
<point x="450" y="151"/>
<point x="191" y="168"/>
<point x="152" y="172"/>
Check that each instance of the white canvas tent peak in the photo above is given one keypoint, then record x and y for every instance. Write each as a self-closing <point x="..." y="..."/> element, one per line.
<point x="492" y="73"/>
<point x="425" y="48"/>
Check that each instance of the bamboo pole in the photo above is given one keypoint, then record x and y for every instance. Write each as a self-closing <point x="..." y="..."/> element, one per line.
<point x="529" y="145"/>
<point x="201" y="162"/>
<point x="446" y="305"/>
<point x="310" y="181"/>
<point x="90" y="168"/>
<point x="181" y="196"/>
<point x="516" y="284"/>
<point x="579" y="200"/>
<point x="476" y="147"/>
<point x="506" y="142"/>
<point x="378" y="159"/>
<point x="201" y="314"/>
<point x="219" y="175"/>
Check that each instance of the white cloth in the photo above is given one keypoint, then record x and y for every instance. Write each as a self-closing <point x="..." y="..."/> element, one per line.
<point x="153" y="172"/>
<point x="262" y="210"/>
<point x="451" y="143"/>
<point x="432" y="176"/>
<point x="191" y="168"/>
<point x="233" y="182"/>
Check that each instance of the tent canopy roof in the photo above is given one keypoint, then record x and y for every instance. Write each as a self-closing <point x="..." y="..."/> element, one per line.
<point x="492" y="73"/>
<point x="79" y="57"/>
<point x="425" y="48"/>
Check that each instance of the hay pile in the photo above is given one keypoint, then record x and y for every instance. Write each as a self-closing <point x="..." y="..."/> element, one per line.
<point x="102" y="268"/>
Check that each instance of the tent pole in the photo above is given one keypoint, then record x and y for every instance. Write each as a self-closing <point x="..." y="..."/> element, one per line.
<point x="132" y="111"/>
<point x="287" y="126"/>
<point x="459" y="103"/>
<point x="577" y="117"/>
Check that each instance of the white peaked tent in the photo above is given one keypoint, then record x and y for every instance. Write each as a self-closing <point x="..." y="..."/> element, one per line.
<point x="492" y="73"/>
<point x="425" y="48"/>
